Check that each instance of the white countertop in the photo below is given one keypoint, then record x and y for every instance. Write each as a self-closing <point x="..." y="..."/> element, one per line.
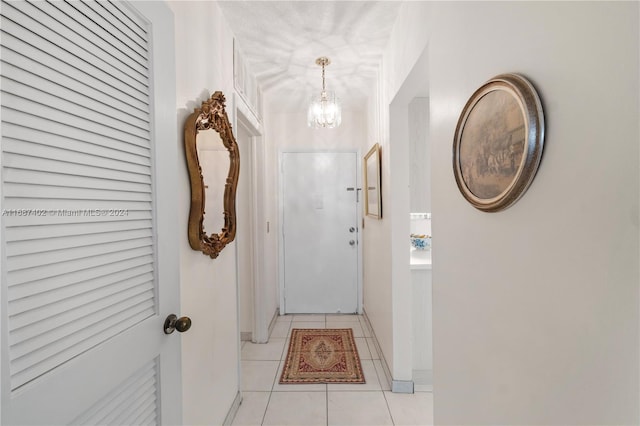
<point x="420" y="259"/>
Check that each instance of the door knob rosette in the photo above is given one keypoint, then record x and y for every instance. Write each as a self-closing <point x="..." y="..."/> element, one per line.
<point x="173" y="323"/>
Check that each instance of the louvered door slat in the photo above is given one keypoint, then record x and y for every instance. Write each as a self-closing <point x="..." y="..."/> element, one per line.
<point x="81" y="35"/>
<point x="151" y="419"/>
<point x="17" y="146"/>
<point x="129" y="403"/>
<point x="138" y="407"/>
<point x="55" y="205"/>
<point x="136" y="51"/>
<point x="35" y="177"/>
<point x="97" y="275"/>
<point x="37" y="260"/>
<point x="71" y="323"/>
<point x="12" y="29"/>
<point x="137" y="391"/>
<point x="31" y="162"/>
<point x="34" y="274"/>
<point x="26" y="247"/>
<point x="33" y="334"/>
<point x="61" y="95"/>
<point x="68" y="76"/>
<point x="98" y="334"/>
<point x="23" y="118"/>
<point x="100" y="54"/>
<point x="111" y="27"/>
<point x="47" y="191"/>
<point x="39" y="217"/>
<point x="52" y="113"/>
<point x="28" y="233"/>
<point x="145" y="408"/>
<point x="103" y="153"/>
<point x="72" y="295"/>
<point x="116" y="11"/>
<point x="95" y="113"/>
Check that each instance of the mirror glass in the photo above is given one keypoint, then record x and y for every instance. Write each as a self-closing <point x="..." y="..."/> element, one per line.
<point x="372" y="205"/>
<point x="214" y="162"/>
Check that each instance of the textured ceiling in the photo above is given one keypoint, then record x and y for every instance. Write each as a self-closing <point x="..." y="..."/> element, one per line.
<point x="280" y="41"/>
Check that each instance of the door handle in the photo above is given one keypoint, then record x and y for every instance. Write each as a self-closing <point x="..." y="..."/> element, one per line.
<point x="352" y="242"/>
<point x="173" y="323"/>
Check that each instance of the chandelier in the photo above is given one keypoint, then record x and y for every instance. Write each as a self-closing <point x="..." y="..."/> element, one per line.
<point x="325" y="109"/>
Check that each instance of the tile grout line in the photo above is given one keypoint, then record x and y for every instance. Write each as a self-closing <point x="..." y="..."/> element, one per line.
<point x="264" y="415"/>
<point x="388" y="408"/>
<point x="380" y="382"/>
<point x="326" y="386"/>
<point x="266" y="407"/>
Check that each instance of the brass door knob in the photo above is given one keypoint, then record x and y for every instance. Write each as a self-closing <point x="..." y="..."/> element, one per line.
<point x="173" y="323"/>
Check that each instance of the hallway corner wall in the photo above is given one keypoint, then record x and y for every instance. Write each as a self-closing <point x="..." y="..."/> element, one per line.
<point x="536" y="308"/>
<point x="388" y="304"/>
<point x="210" y="350"/>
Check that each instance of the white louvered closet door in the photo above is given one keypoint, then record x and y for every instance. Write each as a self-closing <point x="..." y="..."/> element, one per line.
<point x="89" y="161"/>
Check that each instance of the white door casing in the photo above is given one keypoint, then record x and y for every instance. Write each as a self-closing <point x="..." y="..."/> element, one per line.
<point x="254" y="167"/>
<point x="320" y="249"/>
<point x="245" y="235"/>
<point x="89" y="246"/>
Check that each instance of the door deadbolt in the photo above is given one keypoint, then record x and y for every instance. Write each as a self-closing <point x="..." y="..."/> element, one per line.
<point x="173" y="323"/>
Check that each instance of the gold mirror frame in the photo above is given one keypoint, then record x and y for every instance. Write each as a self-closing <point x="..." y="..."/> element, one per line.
<point x="211" y="116"/>
<point x="372" y="181"/>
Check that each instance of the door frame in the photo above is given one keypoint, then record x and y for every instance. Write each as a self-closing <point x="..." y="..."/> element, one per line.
<point x="281" y="152"/>
<point x="245" y="117"/>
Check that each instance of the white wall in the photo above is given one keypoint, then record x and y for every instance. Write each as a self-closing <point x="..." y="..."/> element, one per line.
<point x="385" y="258"/>
<point x="419" y="156"/>
<point x="536" y="308"/>
<point x="376" y="235"/>
<point x="204" y="64"/>
<point x="245" y="232"/>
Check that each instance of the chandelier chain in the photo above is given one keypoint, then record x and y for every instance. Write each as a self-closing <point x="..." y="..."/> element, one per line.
<point x="323" y="88"/>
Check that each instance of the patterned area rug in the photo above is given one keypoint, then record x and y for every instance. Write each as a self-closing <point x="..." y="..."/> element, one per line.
<point x="322" y="356"/>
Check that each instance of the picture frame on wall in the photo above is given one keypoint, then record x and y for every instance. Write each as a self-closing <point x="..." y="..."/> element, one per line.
<point x="372" y="183"/>
<point x="498" y="142"/>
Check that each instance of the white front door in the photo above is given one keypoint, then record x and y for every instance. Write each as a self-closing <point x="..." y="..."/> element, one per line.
<point x="89" y="246"/>
<point x="320" y="227"/>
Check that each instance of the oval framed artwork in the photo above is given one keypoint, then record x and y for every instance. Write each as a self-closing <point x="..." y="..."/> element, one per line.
<point x="498" y="142"/>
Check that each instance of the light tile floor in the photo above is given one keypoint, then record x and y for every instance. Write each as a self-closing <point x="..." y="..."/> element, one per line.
<point x="266" y="402"/>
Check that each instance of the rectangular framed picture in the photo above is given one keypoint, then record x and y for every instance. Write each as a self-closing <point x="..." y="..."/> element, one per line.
<point x="372" y="198"/>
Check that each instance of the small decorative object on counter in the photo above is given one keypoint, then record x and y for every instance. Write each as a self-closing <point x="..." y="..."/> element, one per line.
<point x="421" y="241"/>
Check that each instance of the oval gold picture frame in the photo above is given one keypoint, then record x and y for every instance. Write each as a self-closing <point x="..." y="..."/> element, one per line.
<point x="498" y="142"/>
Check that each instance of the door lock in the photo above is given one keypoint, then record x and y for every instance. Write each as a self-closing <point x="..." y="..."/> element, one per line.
<point x="173" y="323"/>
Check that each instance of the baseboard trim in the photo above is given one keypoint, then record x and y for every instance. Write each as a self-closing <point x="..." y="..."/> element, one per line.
<point x="274" y="318"/>
<point x="233" y="410"/>
<point x="397" y="386"/>
<point x="402" y="386"/>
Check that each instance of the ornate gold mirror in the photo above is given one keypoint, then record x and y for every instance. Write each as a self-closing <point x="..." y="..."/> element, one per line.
<point x="213" y="161"/>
